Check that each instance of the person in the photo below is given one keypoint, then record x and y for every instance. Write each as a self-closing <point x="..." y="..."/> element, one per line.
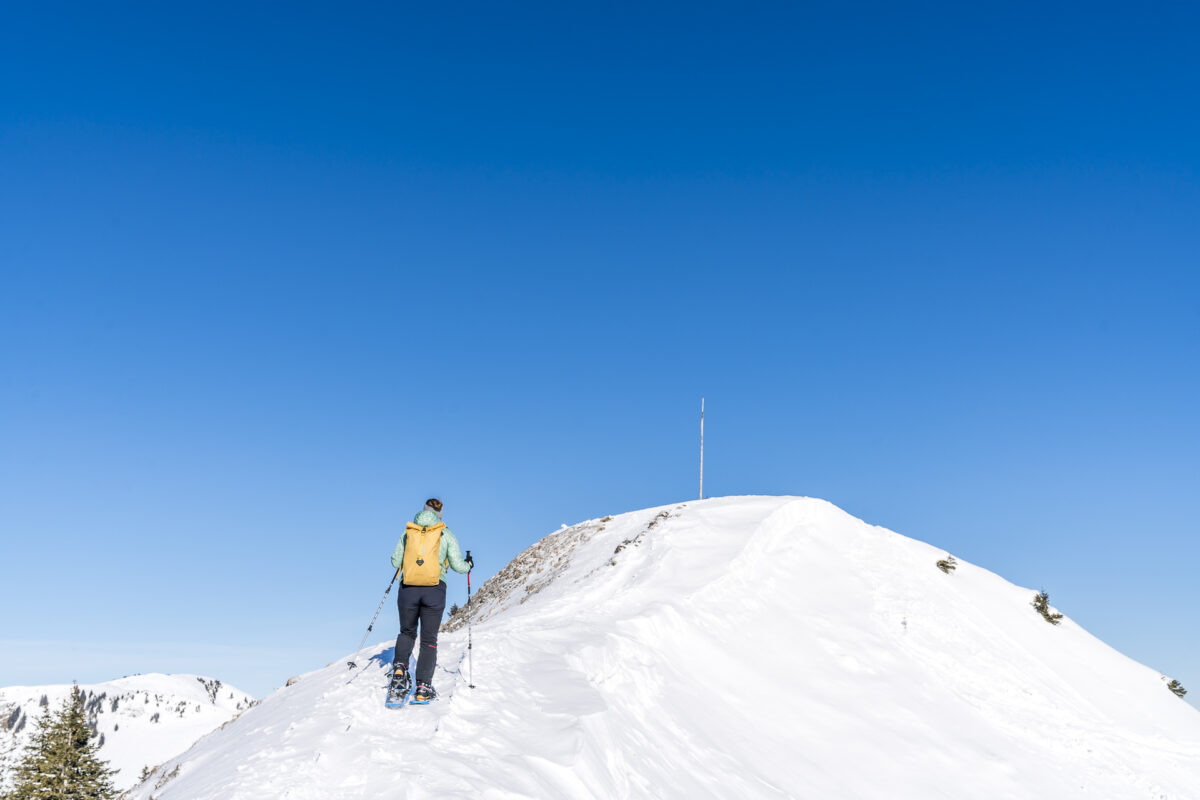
<point x="422" y="597"/>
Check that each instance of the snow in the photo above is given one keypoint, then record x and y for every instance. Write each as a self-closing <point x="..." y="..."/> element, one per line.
<point x="155" y="717"/>
<point x="750" y="647"/>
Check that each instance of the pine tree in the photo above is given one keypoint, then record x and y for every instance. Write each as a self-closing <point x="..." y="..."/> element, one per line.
<point x="1041" y="604"/>
<point x="1177" y="688"/>
<point x="453" y="609"/>
<point x="61" y="762"/>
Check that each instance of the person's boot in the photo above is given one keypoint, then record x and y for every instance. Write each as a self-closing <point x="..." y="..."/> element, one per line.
<point x="424" y="694"/>
<point x="398" y="689"/>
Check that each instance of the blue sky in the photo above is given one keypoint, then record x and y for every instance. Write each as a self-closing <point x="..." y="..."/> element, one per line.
<point x="272" y="276"/>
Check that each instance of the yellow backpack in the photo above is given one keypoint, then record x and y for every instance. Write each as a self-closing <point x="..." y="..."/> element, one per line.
<point x="421" y="548"/>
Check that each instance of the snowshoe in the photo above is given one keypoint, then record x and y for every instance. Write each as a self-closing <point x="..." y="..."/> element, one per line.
<point x="424" y="695"/>
<point x="398" y="689"/>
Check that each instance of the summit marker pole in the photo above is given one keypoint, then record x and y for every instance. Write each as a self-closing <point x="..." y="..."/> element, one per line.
<point x="701" y="448"/>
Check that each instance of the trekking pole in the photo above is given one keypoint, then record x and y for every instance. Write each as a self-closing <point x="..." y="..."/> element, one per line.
<point x="372" y="625"/>
<point x="470" y="666"/>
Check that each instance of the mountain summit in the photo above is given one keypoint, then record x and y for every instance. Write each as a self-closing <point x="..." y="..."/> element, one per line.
<point x="748" y="647"/>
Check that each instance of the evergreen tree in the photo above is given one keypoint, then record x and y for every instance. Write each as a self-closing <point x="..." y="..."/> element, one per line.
<point x="453" y="609"/>
<point x="1177" y="688"/>
<point x="1041" y="604"/>
<point x="947" y="564"/>
<point x="61" y="762"/>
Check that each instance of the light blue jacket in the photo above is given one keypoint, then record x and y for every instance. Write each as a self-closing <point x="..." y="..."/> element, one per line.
<point x="448" y="552"/>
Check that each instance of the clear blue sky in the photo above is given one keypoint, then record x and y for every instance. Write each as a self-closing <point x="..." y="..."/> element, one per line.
<point x="270" y="277"/>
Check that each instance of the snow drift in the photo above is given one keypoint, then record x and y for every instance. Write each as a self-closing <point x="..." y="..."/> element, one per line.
<point x="751" y="647"/>
<point x="140" y="721"/>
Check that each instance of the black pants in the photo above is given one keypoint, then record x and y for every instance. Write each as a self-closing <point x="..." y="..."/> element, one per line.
<point x="424" y="604"/>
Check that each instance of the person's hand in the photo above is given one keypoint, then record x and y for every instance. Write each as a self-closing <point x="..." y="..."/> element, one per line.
<point x="470" y="562"/>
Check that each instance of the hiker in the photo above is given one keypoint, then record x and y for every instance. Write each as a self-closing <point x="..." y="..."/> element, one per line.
<point x="425" y="550"/>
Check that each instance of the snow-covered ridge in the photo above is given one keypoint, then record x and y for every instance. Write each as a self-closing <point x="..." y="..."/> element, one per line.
<point x="734" y="647"/>
<point x="538" y="565"/>
<point x="140" y="720"/>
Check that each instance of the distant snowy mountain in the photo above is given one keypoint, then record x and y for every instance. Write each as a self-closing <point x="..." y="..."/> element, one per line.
<point x="141" y="721"/>
<point x="751" y="647"/>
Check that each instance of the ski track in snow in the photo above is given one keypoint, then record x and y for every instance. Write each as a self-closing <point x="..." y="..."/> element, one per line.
<point x="755" y="647"/>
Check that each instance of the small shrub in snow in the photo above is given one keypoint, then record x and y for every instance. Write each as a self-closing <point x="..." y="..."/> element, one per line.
<point x="161" y="782"/>
<point x="636" y="541"/>
<point x="661" y="516"/>
<point x="1041" y="604"/>
<point x="947" y="564"/>
<point x="1177" y="688"/>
